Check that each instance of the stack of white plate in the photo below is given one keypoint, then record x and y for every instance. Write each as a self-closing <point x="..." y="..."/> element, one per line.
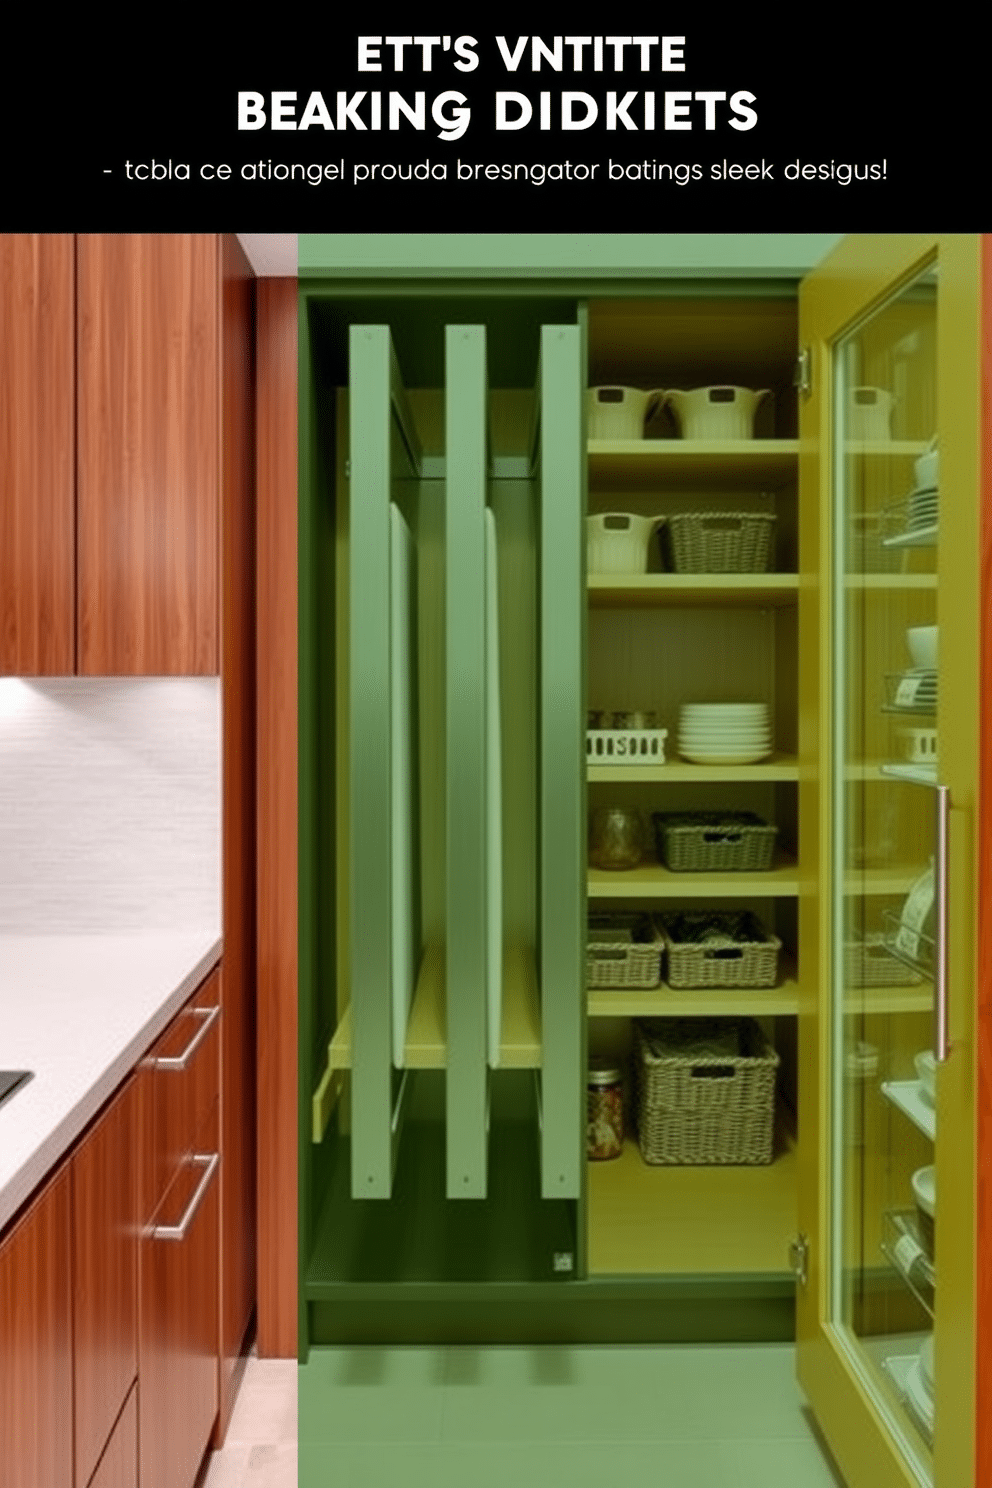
<point x="922" y="509"/>
<point x="725" y="733"/>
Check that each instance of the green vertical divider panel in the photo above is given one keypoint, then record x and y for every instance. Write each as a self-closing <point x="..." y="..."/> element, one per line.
<point x="562" y="763"/>
<point x="466" y="457"/>
<point x="382" y="447"/>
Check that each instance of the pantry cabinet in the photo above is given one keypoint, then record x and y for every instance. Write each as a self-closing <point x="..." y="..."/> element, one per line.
<point x="871" y="370"/>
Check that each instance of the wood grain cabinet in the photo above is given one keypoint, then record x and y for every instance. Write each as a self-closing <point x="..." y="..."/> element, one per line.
<point x="104" y="1277"/>
<point x="36" y="1344"/>
<point x="148" y="326"/>
<point x="37" y="476"/>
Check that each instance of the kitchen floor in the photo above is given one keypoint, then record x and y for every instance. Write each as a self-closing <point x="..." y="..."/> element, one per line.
<point x="685" y="1417"/>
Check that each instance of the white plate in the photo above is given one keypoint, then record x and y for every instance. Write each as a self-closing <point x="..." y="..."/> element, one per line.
<point x="751" y="758"/>
<point x="919" y="1400"/>
<point x="694" y="731"/>
<point x="729" y="711"/>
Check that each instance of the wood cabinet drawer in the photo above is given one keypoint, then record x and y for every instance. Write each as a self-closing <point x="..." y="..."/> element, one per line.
<point x="118" y="1467"/>
<point x="36" y="1344"/>
<point x="180" y="1081"/>
<point x="180" y="1319"/>
<point x="104" y="1276"/>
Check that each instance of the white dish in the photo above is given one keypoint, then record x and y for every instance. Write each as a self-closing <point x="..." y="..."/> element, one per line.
<point x="710" y="731"/>
<point x="729" y="710"/>
<point x="926" y="1365"/>
<point x="924" y="1182"/>
<point x="919" y="1400"/>
<point x="699" y="758"/>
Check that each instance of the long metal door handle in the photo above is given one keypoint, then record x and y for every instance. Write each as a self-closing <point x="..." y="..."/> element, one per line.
<point x="209" y="1163"/>
<point x="941" y="1029"/>
<point x="180" y="1061"/>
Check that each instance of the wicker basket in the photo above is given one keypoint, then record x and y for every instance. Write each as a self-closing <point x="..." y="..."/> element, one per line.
<point x="623" y="951"/>
<point x="718" y="542"/>
<point x="714" y="841"/>
<point x="869" y="963"/>
<point x="719" y="948"/>
<point x="704" y="1091"/>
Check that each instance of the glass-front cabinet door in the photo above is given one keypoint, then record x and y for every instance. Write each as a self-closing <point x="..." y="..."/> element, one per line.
<point x="891" y="522"/>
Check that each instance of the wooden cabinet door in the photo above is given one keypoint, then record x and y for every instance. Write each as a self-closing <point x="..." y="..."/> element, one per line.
<point x="179" y="1333"/>
<point x="148" y="469"/>
<point x="105" y="1276"/>
<point x="119" y="1464"/>
<point x="37" y="478"/>
<point x="36" y="1345"/>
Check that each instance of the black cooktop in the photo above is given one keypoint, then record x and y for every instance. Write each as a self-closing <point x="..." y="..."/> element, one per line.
<point x="11" y="1080"/>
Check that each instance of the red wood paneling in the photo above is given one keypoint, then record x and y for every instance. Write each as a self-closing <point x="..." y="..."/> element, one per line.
<point x="277" y="812"/>
<point x="37" y="454"/>
<point x="148" y="401"/>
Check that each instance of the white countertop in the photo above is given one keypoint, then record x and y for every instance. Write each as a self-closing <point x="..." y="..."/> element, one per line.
<point x="80" y="1011"/>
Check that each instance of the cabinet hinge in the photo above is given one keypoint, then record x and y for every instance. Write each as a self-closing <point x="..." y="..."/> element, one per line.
<point x="803" y="376"/>
<point x="347" y="470"/>
<point x="799" y="1258"/>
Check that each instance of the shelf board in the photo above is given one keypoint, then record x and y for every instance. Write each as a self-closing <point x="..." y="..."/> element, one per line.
<point x="520" y="1029"/>
<point x="906" y="1095"/>
<point x="733" y="464"/>
<point x="691" y="1220"/>
<point x="919" y="537"/>
<point x="652" y="881"/>
<point x="426" y="1038"/>
<point x="426" y="1044"/>
<point x="779" y="767"/>
<point x="640" y="591"/>
<point x="886" y="449"/>
<point x="674" y="1002"/>
<point x="875" y="1000"/>
<point x="896" y="581"/>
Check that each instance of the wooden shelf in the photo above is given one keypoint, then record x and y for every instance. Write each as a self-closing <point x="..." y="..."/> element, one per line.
<point x="761" y="591"/>
<point x="779" y="767"/>
<point x="520" y="1029"/>
<point x="673" y="1002"/>
<point x="652" y="881"/>
<point x="426" y="1044"/>
<point x="733" y="464"/>
<point x="691" y="1221"/>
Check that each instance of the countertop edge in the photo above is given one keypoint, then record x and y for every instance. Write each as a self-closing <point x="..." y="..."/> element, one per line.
<point x="21" y="1188"/>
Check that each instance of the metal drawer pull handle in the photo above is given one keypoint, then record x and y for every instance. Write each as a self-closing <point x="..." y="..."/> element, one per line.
<point x="180" y="1061"/>
<point x="178" y="1231"/>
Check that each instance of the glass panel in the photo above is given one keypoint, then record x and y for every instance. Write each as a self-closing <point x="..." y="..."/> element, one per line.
<point x="886" y="505"/>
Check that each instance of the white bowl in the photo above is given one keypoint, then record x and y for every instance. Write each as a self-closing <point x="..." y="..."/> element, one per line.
<point x="925" y="1189"/>
<point x="922" y="643"/>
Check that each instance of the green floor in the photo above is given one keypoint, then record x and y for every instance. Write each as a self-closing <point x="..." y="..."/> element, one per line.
<point x="686" y="1416"/>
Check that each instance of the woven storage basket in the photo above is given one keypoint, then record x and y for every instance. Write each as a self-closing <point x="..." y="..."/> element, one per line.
<point x="714" y="841"/>
<point x="869" y="963"/>
<point x="704" y="1091"/>
<point x="719" y="948"/>
<point x="623" y="951"/>
<point x="718" y="542"/>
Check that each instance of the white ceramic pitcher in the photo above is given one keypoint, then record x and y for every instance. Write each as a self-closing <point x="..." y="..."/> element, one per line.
<point x="618" y="542"/>
<point x="620" y="412"/>
<point x="716" y="412"/>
